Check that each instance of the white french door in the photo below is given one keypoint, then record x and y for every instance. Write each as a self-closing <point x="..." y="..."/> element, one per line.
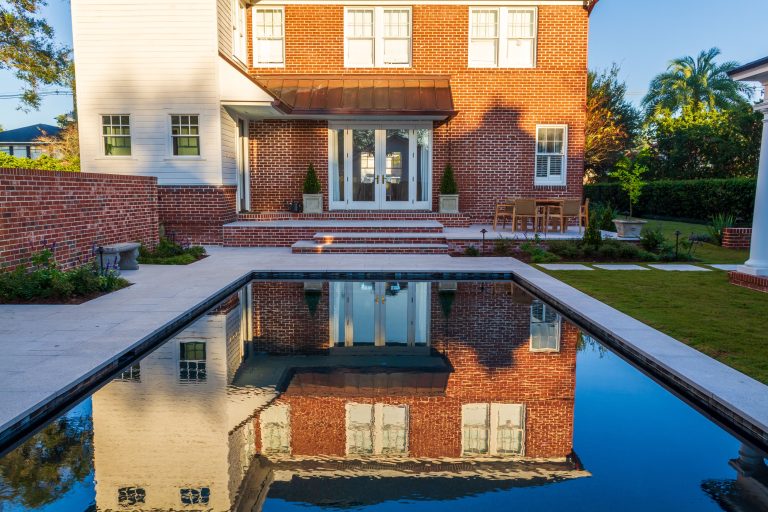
<point x="380" y="168"/>
<point x="391" y="314"/>
<point x="243" y="178"/>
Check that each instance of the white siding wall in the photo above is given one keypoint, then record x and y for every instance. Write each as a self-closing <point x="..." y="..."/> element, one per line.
<point x="149" y="59"/>
<point x="224" y="8"/>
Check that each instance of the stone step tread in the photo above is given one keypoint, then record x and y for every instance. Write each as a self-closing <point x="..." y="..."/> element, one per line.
<point x="379" y="234"/>
<point x="307" y="244"/>
<point x="336" y="223"/>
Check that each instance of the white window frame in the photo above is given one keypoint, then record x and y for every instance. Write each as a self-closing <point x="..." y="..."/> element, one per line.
<point x="492" y="429"/>
<point x="377" y="429"/>
<point x="558" y="327"/>
<point x="256" y="60"/>
<point x="549" y="180"/>
<point x="378" y="36"/>
<point x="240" y="31"/>
<point x="502" y="37"/>
<point x="102" y="137"/>
<point x="171" y="136"/>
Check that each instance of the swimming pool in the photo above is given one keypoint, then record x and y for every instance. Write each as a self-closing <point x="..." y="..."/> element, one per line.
<point x="382" y="395"/>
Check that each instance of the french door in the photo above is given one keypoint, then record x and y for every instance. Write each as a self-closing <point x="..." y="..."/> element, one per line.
<point x="392" y="314"/>
<point x="380" y="168"/>
<point x="243" y="179"/>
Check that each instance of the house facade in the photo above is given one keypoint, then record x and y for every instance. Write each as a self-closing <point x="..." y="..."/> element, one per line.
<point x="227" y="103"/>
<point x="24" y="142"/>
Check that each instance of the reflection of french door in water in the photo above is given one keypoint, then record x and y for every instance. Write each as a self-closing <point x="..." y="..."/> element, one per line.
<point x="380" y="168"/>
<point x="392" y="314"/>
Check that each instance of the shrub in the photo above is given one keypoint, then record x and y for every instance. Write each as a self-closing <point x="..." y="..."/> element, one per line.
<point x="608" y="250"/>
<point x="169" y="252"/>
<point x="652" y="239"/>
<point x="697" y="200"/>
<point x="43" y="162"/>
<point x="502" y="246"/>
<point x="592" y="235"/>
<point x="448" y="183"/>
<point x="472" y="251"/>
<point x="719" y="223"/>
<point x="311" y="182"/>
<point x="603" y="214"/>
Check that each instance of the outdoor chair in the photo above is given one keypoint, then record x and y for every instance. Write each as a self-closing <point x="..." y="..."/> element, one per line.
<point x="584" y="215"/>
<point x="570" y="209"/>
<point x="525" y="210"/>
<point x="503" y="212"/>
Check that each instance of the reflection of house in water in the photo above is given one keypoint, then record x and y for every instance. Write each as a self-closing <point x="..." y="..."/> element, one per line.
<point x="488" y="404"/>
<point x="170" y="432"/>
<point x="350" y="390"/>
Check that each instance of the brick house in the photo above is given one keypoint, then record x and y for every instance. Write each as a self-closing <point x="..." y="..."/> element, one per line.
<point x="228" y="105"/>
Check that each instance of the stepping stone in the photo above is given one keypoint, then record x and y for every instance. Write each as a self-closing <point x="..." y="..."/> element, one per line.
<point x="564" y="266"/>
<point x="670" y="267"/>
<point x="727" y="268"/>
<point x="621" y="267"/>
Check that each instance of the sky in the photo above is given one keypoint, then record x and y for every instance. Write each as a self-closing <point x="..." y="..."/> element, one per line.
<point x="642" y="36"/>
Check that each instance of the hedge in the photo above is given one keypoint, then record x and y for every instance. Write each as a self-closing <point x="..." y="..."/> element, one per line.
<point x="683" y="199"/>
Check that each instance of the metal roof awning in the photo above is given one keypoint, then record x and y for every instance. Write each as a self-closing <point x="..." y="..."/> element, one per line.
<point x="362" y="95"/>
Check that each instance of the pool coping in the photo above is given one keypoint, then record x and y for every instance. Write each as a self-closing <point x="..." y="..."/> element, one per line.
<point x="705" y="381"/>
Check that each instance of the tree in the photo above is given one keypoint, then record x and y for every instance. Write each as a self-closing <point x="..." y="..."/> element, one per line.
<point x="612" y="122"/>
<point x="28" y="48"/>
<point x="65" y="145"/>
<point x="629" y="173"/>
<point x="695" y="83"/>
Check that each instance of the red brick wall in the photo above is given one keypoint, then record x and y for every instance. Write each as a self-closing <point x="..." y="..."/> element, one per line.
<point x="73" y="210"/>
<point x="737" y="238"/>
<point x="196" y="213"/>
<point x="491" y="142"/>
<point x="757" y="283"/>
<point x="486" y="340"/>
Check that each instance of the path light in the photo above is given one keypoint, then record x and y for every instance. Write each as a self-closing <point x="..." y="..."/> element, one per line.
<point x="483" y="231"/>
<point x="677" y="243"/>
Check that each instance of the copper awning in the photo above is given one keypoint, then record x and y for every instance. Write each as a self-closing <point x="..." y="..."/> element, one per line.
<point x="373" y="95"/>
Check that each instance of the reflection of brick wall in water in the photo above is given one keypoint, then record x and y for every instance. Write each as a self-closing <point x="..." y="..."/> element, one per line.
<point x="282" y="321"/>
<point x="486" y="339"/>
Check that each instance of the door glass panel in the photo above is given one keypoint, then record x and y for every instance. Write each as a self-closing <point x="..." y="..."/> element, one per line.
<point x="421" y="311"/>
<point x="422" y="165"/>
<point x="396" y="172"/>
<point x="363" y="305"/>
<point x="338" y="313"/>
<point x="396" y="313"/>
<point x="338" y="180"/>
<point x="363" y="164"/>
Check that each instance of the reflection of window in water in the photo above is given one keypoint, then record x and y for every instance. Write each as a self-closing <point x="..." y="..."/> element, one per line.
<point x="194" y="496"/>
<point x="377" y="429"/>
<point x="130" y="374"/>
<point x="493" y="429"/>
<point x="545" y="328"/>
<point x="129" y="496"/>
<point x="394" y="166"/>
<point x="192" y="361"/>
<point x="367" y="167"/>
<point x="275" y="429"/>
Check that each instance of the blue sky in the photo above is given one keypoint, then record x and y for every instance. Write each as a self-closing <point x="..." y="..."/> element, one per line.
<point x="640" y="35"/>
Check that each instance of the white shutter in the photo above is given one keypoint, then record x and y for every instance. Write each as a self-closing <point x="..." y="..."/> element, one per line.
<point x="359" y="429"/>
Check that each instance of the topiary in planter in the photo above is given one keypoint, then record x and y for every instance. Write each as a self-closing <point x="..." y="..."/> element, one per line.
<point x="449" y="191"/>
<point x="313" y="198"/>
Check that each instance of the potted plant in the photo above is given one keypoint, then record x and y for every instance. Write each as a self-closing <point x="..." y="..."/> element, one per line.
<point x="313" y="197"/>
<point x="449" y="192"/>
<point x="630" y="175"/>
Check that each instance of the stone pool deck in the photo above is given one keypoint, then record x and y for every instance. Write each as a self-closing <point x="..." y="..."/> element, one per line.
<point x="49" y="351"/>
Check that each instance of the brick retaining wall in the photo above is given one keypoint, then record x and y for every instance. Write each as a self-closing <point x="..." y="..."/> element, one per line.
<point x="195" y="213"/>
<point x="75" y="211"/>
<point x="737" y="238"/>
<point x="757" y="283"/>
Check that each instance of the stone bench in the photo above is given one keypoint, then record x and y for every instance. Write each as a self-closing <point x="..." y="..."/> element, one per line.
<point x="118" y="255"/>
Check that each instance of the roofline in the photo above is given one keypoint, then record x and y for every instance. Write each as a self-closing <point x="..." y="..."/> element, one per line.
<point x="748" y="67"/>
<point x="20" y="142"/>
<point x="589" y="5"/>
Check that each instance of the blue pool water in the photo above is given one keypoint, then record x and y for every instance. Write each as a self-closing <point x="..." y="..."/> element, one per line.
<point x="380" y="396"/>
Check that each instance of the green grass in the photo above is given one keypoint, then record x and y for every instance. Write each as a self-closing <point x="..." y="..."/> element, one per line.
<point x="699" y="308"/>
<point x="707" y="253"/>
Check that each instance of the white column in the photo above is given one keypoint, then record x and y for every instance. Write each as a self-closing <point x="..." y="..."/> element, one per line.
<point x="757" y="265"/>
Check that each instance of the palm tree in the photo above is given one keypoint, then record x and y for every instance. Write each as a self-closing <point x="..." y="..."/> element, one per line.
<point x="696" y="83"/>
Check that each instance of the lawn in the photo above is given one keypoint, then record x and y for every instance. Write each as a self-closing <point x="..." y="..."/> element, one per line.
<point x="698" y="308"/>
<point x="708" y="253"/>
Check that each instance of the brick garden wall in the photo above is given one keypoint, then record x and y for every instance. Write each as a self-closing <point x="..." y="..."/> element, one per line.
<point x="73" y="210"/>
<point x="491" y="142"/>
<point x="486" y="340"/>
<point x="196" y="213"/>
<point x="737" y="238"/>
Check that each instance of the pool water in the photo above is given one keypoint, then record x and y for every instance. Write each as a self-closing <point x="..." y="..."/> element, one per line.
<point x="392" y="395"/>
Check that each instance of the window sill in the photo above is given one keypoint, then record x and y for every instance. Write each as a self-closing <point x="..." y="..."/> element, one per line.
<point x="183" y="158"/>
<point x="257" y="65"/>
<point x="550" y="185"/>
<point x="387" y="66"/>
<point x="115" y="158"/>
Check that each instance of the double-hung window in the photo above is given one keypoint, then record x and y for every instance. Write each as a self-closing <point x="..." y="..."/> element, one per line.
<point x="116" y="135"/>
<point x="239" y="43"/>
<point x="377" y="37"/>
<point x="185" y="135"/>
<point x="268" y="37"/>
<point x="377" y="429"/>
<point x="493" y="429"/>
<point x="545" y="328"/>
<point x="551" y="154"/>
<point x="502" y="37"/>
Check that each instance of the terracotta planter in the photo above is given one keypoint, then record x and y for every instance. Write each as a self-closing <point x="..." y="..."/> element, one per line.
<point x="629" y="228"/>
<point x="313" y="203"/>
<point x="449" y="203"/>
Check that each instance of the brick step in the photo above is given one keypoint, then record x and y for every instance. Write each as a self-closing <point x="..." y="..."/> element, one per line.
<point x="447" y="219"/>
<point x="379" y="238"/>
<point x="313" y="247"/>
<point x="283" y="233"/>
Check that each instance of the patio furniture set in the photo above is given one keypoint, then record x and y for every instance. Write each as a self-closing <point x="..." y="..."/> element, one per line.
<point x="543" y="214"/>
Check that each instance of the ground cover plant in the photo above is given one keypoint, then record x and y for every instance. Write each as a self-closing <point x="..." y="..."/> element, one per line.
<point x="45" y="282"/>
<point x="168" y="252"/>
